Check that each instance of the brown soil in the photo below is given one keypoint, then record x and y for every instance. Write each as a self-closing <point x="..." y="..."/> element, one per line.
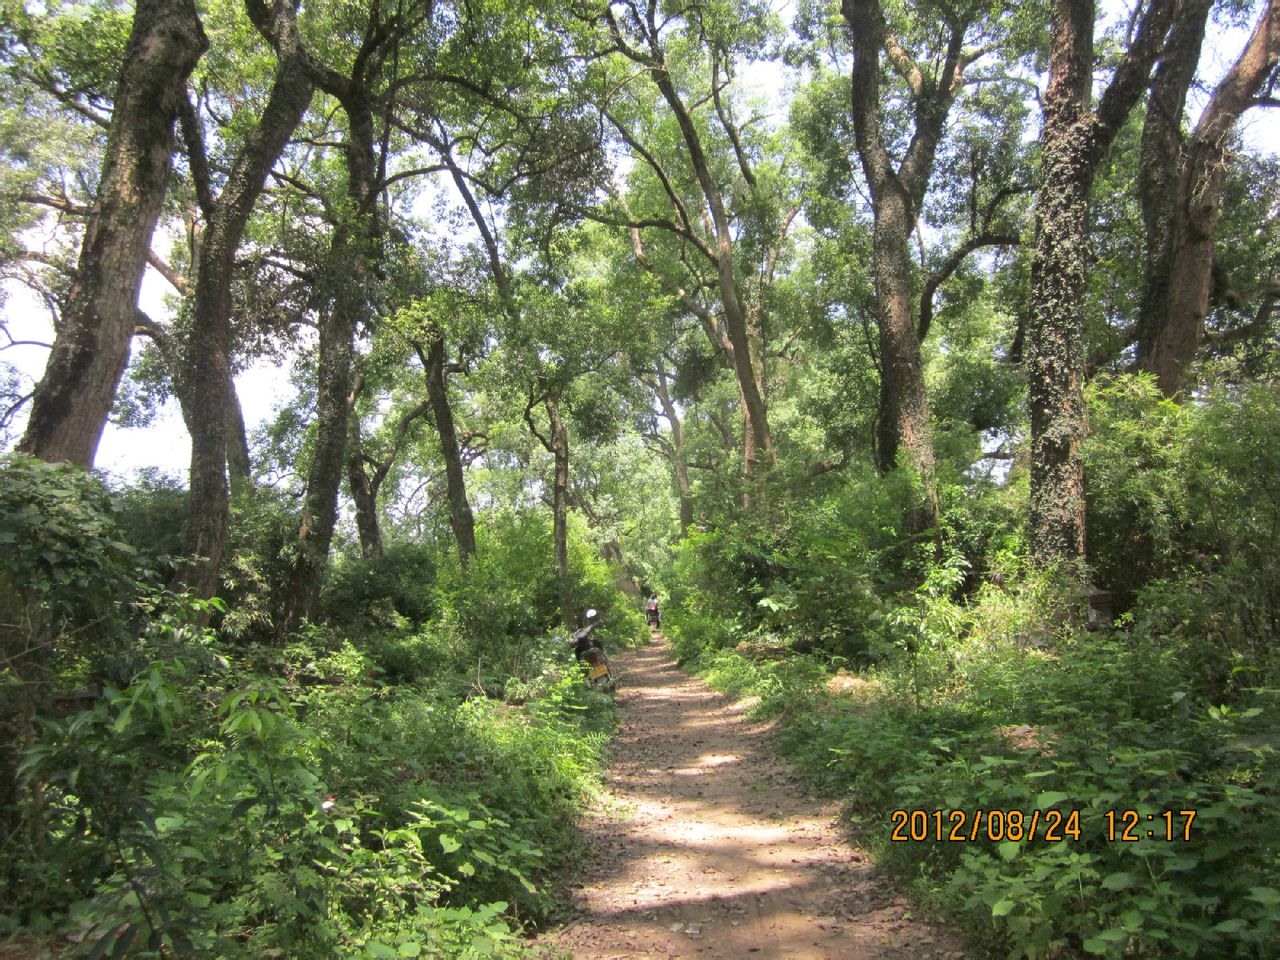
<point x="706" y="846"/>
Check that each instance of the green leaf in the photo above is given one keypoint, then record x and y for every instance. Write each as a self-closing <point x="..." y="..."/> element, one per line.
<point x="410" y="950"/>
<point x="1009" y="849"/>
<point x="449" y="843"/>
<point x="1050" y="797"/>
<point x="1118" y="881"/>
<point x="1003" y="907"/>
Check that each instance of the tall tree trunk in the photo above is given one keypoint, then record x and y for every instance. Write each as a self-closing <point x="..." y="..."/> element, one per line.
<point x="324" y="477"/>
<point x="208" y="354"/>
<point x="560" y="510"/>
<point x="72" y="402"/>
<point x="1175" y="326"/>
<point x="905" y="431"/>
<point x="757" y="438"/>
<point x="352" y="262"/>
<point x="460" y="517"/>
<point x="1073" y="141"/>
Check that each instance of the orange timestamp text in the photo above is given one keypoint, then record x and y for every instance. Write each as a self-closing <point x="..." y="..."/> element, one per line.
<point x="1029" y="826"/>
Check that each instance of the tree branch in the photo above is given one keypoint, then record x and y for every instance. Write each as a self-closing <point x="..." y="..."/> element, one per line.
<point x="950" y="265"/>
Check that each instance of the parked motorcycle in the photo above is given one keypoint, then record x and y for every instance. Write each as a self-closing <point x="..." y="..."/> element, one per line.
<point x="589" y="653"/>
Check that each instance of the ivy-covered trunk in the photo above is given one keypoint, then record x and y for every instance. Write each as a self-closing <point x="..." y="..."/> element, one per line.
<point x="1073" y="141"/>
<point x="1055" y="338"/>
<point x="72" y="402"/>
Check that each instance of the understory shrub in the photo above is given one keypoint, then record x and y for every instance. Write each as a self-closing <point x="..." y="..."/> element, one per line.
<point x="1184" y="521"/>
<point x="213" y="809"/>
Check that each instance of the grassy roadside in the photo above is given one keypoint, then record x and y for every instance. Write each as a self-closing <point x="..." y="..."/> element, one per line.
<point x="1077" y="745"/>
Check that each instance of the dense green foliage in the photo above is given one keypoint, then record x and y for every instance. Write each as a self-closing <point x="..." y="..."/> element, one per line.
<point x="991" y="696"/>
<point x="565" y="303"/>
<point x="412" y="794"/>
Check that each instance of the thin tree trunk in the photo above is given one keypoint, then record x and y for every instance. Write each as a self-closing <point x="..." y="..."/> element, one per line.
<point x="364" y="485"/>
<point x="757" y="439"/>
<point x="1174" y="334"/>
<point x="208" y="354"/>
<point x="1073" y="141"/>
<point x="460" y="517"/>
<point x="72" y="402"/>
<point x="678" y="462"/>
<point x="239" y="465"/>
<point x="560" y="510"/>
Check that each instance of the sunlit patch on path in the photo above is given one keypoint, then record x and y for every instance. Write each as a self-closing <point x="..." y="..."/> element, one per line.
<point x="707" y="847"/>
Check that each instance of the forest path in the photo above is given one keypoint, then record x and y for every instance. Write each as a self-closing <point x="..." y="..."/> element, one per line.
<point x="706" y="846"/>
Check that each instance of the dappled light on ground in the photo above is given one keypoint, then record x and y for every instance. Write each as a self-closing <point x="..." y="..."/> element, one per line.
<point x="707" y="847"/>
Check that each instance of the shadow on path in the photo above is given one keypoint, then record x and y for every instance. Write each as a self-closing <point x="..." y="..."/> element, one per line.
<point x="707" y="846"/>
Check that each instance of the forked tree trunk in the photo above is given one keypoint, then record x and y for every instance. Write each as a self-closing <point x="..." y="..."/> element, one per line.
<point x="905" y="431"/>
<point x="239" y="464"/>
<point x="1160" y="159"/>
<point x="364" y="485"/>
<point x="747" y="363"/>
<point x="208" y="354"/>
<point x="72" y="402"/>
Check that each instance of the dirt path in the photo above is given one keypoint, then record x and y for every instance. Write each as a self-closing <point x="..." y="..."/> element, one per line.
<point x="706" y="846"/>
